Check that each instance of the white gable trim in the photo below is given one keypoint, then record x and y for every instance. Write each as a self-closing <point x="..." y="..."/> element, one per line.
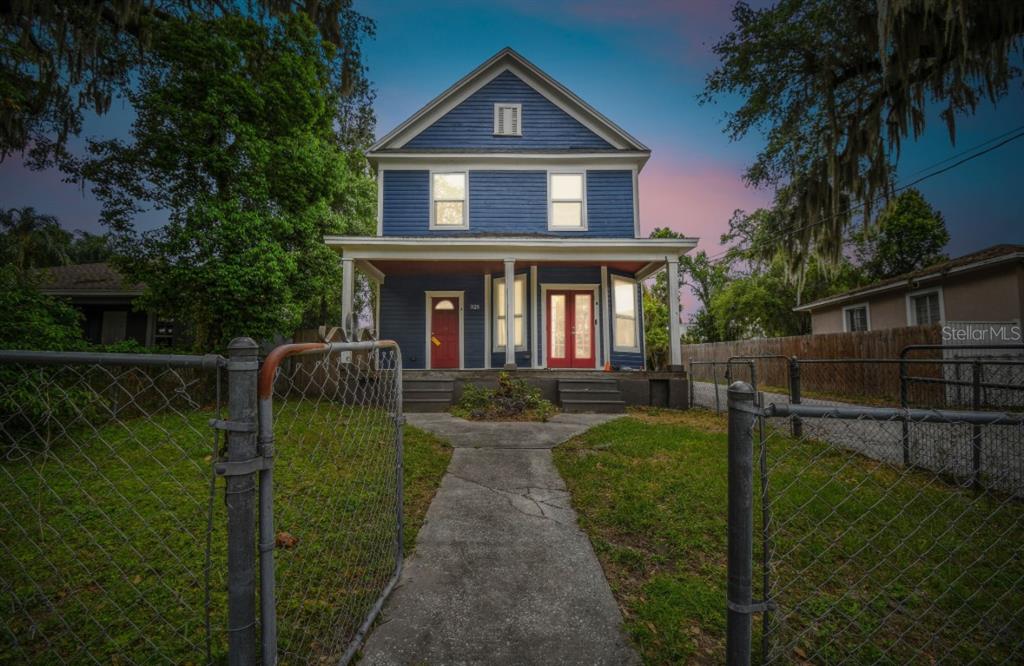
<point x="509" y="60"/>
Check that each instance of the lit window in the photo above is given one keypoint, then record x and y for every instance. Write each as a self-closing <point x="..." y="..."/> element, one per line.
<point x="566" y="201"/>
<point x="924" y="308"/>
<point x="856" y="318"/>
<point x="624" y="294"/>
<point x="508" y="119"/>
<point x="444" y="305"/>
<point x="448" y="192"/>
<point x="519" y="310"/>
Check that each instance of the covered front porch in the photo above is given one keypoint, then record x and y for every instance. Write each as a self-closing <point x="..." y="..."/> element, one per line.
<point x="567" y="305"/>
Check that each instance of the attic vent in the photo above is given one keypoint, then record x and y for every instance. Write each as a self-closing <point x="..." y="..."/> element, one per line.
<point x="508" y="119"/>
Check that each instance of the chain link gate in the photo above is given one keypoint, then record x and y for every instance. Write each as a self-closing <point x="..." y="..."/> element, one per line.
<point x="331" y="527"/>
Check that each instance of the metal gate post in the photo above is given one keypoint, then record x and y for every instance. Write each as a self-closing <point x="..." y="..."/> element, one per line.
<point x="268" y="591"/>
<point x="905" y="424"/>
<point x="976" y="428"/>
<point x="739" y="602"/>
<point x="794" y="395"/>
<point x="239" y="496"/>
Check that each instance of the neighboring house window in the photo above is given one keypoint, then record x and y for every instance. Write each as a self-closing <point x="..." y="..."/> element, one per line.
<point x="163" y="333"/>
<point x="448" y="197"/>
<point x="925" y="307"/>
<point x="855" y="318"/>
<point x="567" y="210"/>
<point x="519" y="313"/>
<point x="508" y="119"/>
<point x="624" y="295"/>
<point x="115" y="326"/>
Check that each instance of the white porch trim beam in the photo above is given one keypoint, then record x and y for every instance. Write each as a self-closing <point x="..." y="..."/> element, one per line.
<point x="510" y="310"/>
<point x="436" y="248"/>
<point x="675" y="352"/>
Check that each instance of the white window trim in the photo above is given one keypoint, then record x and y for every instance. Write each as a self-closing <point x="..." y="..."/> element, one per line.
<point x="582" y="173"/>
<point x="636" y="316"/>
<point x="519" y="114"/>
<point x="923" y="292"/>
<point x="499" y="283"/>
<point x="857" y="306"/>
<point x="599" y="326"/>
<point x="428" y="324"/>
<point x="465" y="201"/>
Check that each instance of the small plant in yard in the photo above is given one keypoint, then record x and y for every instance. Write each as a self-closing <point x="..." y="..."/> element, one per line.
<point x="512" y="400"/>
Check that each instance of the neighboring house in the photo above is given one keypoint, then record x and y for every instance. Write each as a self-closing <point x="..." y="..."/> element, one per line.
<point x="985" y="287"/>
<point x="508" y="210"/>
<point x="105" y="300"/>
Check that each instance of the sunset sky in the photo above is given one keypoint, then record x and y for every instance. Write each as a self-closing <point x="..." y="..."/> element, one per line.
<point x="642" y="64"/>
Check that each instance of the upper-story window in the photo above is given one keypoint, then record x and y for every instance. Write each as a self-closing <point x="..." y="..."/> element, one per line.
<point x="566" y="206"/>
<point x="448" y="201"/>
<point x="508" y="119"/>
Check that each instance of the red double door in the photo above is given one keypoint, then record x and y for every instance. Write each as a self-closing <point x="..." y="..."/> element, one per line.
<point x="570" y="324"/>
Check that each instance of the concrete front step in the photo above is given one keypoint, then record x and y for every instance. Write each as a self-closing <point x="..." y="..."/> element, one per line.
<point x="426" y="404"/>
<point x="588" y="385"/>
<point x="426" y="394"/>
<point x="428" y="384"/>
<point x="593" y="406"/>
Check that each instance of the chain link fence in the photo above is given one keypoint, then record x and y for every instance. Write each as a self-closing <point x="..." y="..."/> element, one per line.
<point x="113" y="541"/>
<point x="151" y="503"/>
<point x="866" y="558"/>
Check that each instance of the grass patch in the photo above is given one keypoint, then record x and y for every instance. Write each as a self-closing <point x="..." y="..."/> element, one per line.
<point x="104" y="537"/>
<point x="939" y="576"/>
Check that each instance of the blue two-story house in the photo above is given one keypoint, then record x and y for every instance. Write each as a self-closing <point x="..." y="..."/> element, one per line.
<point x="508" y="231"/>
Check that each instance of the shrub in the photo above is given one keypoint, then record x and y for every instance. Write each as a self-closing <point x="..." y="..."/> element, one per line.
<point x="513" y="399"/>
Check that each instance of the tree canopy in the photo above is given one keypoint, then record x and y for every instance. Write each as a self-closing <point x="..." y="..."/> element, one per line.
<point x="835" y="87"/>
<point x="909" y="235"/>
<point x="235" y="139"/>
<point x="63" y="57"/>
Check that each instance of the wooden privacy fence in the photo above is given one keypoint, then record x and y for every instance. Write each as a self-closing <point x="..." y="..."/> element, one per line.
<point x="878" y="381"/>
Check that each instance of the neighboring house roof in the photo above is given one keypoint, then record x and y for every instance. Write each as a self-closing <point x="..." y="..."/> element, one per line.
<point x="99" y="279"/>
<point x="507" y="60"/>
<point x="997" y="254"/>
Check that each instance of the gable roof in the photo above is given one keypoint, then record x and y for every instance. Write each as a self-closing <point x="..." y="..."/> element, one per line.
<point x="86" y="279"/>
<point x="504" y="60"/>
<point x="995" y="254"/>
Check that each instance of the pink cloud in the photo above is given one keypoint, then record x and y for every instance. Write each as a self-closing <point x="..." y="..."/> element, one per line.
<point x="696" y="199"/>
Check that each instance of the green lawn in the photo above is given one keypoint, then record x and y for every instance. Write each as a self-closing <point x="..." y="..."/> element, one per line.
<point x="939" y="576"/>
<point x="103" y="539"/>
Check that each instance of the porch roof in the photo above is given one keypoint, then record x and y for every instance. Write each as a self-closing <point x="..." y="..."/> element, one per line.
<point x="651" y="253"/>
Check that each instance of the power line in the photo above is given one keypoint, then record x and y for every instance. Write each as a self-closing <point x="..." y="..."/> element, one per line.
<point x="911" y="183"/>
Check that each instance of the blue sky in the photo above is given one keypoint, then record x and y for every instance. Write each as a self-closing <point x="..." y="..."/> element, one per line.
<point x="642" y="64"/>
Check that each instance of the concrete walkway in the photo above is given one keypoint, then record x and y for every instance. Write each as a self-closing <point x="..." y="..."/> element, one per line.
<point x="502" y="573"/>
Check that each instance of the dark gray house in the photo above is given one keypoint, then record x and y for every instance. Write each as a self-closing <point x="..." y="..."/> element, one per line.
<point x="105" y="300"/>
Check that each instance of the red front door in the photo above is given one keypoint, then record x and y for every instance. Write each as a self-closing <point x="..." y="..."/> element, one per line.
<point x="444" y="332"/>
<point x="570" y="316"/>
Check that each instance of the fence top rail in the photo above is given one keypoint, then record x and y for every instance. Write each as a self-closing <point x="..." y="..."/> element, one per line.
<point x="270" y="364"/>
<point x="893" y="414"/>
<point x="205" y="361"/>
<point x="910" y="348"/>
<point x="993" y="360"/>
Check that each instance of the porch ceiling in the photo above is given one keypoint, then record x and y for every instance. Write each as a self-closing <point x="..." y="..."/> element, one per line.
<point x="440" y="266"/>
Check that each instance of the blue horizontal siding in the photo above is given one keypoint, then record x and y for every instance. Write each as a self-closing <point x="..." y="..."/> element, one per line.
<point x="610" y="204"/>
<point x="403" y="314"/>
<point x="406" y="206"/>
<point x="544" y="125"/>
<point x="507" y="203"/>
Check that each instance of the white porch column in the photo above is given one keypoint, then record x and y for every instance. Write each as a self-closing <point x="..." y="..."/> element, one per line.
<point x="510" y="314"/>
<point x="348" y="287"/>
<point x="675" y="352"/>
